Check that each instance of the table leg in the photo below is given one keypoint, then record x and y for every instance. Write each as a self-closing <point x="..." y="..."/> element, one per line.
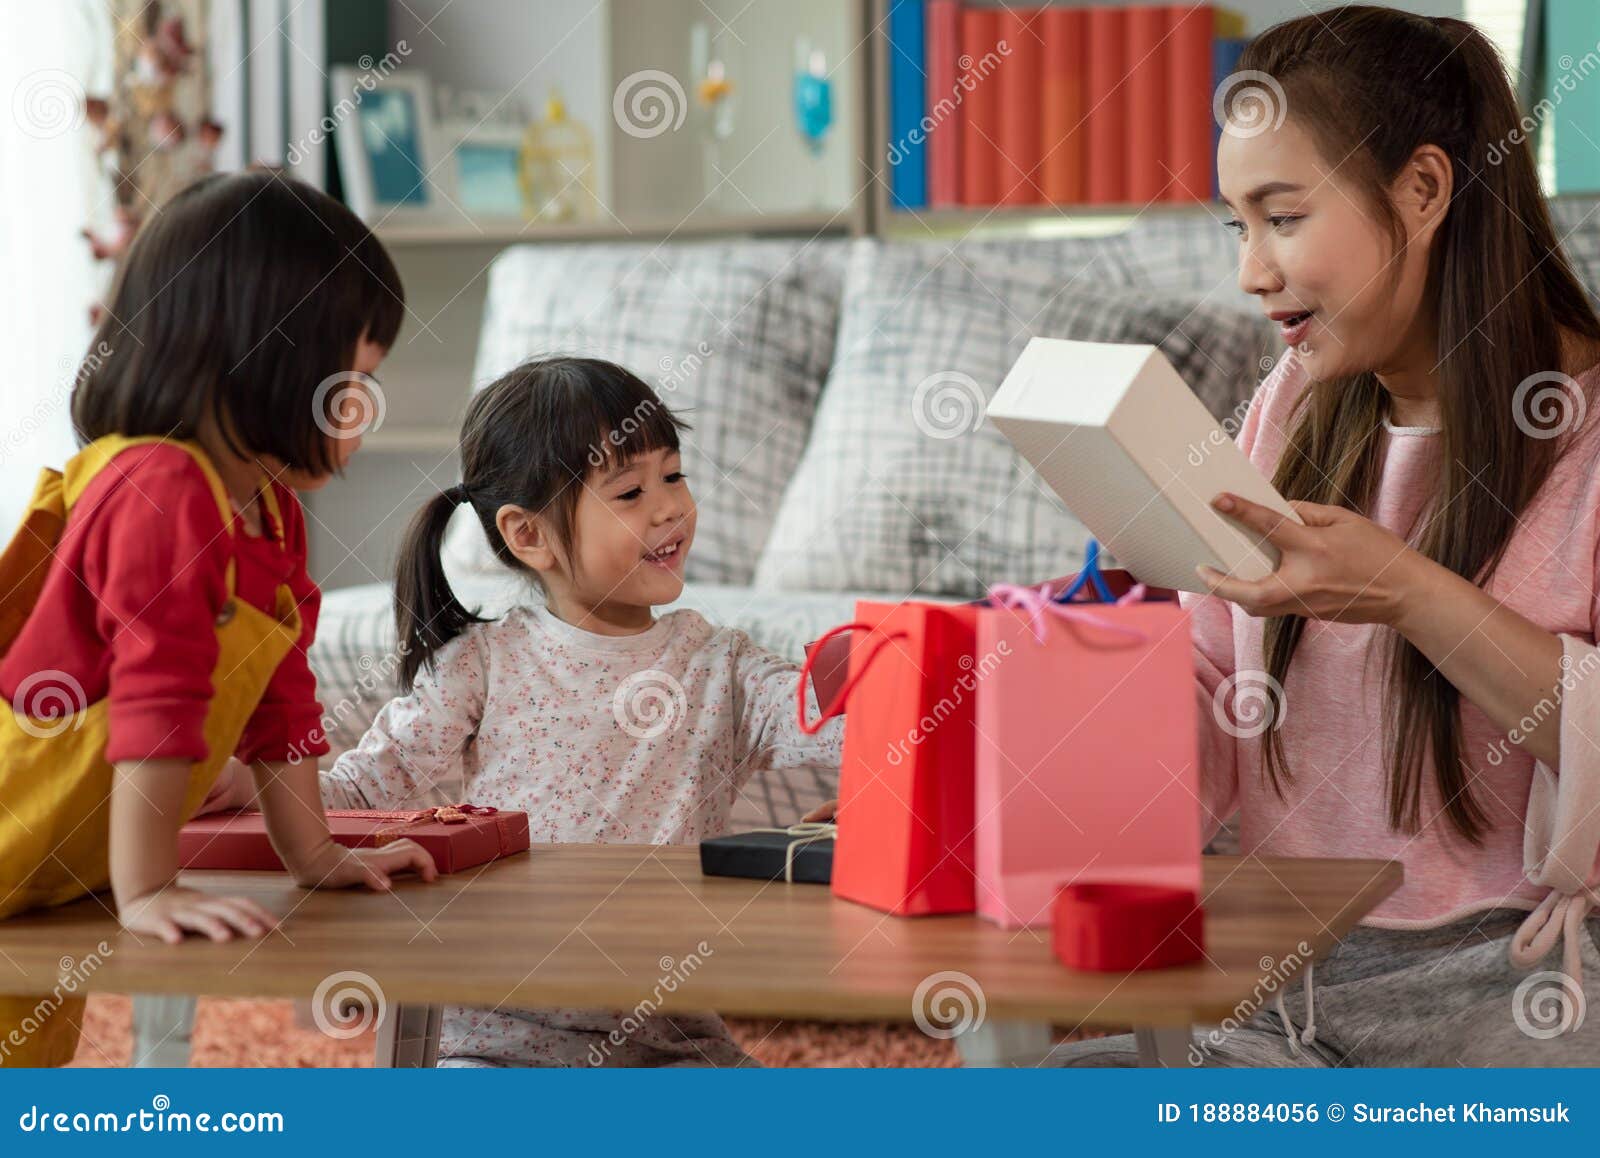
<point x="1005" y="1043"/>
<point x="162" y="1027"/>
<point x="1167" y="1046"/>
<point x="408" y="1037"/>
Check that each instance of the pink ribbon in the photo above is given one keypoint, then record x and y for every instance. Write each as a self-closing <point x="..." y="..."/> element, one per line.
<point x="1035" y="602"/>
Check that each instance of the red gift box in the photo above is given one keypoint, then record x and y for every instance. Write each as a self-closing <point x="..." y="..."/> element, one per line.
<point x="1120" y="927"/>
<point x="457" y="837"/>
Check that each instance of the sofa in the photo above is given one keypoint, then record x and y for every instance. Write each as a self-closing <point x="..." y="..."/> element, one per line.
<point x="835" y="389"/>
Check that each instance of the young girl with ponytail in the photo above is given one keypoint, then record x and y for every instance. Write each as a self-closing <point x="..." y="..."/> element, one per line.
<point x="1427" y="642"/>
<point x="582" y="708"/>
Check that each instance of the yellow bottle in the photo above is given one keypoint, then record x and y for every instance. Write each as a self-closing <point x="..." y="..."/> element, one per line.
<point x="558" y="167"/>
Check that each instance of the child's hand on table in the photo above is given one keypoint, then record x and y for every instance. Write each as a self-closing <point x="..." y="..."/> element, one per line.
<point x="171" y="910"/>
<point x="821" y="812"/>
<point x="339" y="868"/>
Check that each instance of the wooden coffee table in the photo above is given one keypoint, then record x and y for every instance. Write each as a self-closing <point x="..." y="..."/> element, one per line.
<point x="607" y="926"/>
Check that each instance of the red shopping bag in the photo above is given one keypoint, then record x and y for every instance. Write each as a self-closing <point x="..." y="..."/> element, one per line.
<point x="905" y="819"/>
<point x="1086" y="763"/>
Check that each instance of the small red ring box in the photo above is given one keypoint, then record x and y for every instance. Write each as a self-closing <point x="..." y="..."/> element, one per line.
<point x="1109" y="927"/>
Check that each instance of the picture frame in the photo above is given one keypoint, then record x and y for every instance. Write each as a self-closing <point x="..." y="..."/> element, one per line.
<point x="392" y="160"/>
<point x="487" y="162"/>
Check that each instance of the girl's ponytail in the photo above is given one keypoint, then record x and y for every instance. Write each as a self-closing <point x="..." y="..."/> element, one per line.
<point x="427" y="613"/>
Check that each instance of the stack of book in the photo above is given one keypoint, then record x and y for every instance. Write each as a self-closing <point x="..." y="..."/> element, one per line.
<point x="1054" y="106"/>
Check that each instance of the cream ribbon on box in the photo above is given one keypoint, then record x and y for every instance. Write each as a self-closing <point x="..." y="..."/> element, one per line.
<point x="806" y="832"/>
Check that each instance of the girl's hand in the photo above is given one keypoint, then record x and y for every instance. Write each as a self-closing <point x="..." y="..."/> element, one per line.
<point x="235" y="788"/>
<point x="340" y="868"/>
<point x="169" y="911"/>
<point x="822" y="812"/>
<point x="1337" y="566"/>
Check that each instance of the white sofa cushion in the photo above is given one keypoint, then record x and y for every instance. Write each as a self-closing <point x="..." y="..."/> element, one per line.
<point x="902" y="486"/>
<point x="734" y="335"/>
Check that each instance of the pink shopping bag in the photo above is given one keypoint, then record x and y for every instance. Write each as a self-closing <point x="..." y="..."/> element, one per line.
<point x="1087" y="764"/>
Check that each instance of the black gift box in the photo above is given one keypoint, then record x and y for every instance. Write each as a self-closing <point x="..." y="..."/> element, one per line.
<point x="762" y="856"/>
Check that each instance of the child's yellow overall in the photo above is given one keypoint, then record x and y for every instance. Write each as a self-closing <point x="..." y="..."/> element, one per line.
<point x="55" y="782"/>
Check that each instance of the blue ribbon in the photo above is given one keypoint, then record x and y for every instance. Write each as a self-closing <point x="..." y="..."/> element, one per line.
<point x="1090" y="575"/>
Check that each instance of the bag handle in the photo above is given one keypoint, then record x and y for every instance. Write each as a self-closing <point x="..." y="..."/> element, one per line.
<point x="833" y="709"/>
<point x="1090" y="574"/>
<point x="1037" y="603"/>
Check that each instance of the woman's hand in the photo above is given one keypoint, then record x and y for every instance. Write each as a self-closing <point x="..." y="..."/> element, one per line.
<point x="338" y="868"/>
<point x="1336" y="566"/>
<point x="170" y="910"/>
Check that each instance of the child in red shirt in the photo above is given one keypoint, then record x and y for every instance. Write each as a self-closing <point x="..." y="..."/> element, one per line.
<point x="156" y="606"/>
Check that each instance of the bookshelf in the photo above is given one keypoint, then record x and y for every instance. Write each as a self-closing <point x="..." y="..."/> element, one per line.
<point x="1086" y="219"/>
<point x="642" y="229"/>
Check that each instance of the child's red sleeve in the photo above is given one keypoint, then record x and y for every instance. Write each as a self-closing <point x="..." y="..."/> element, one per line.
<point x="288" y="721"/>
<point x="155" y="556"/>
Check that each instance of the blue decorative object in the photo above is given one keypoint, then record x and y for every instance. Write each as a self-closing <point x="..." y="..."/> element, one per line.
<point x="1090" y="575"/>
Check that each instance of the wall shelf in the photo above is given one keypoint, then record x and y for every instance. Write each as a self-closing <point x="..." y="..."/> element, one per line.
<point x="842" y="221"/>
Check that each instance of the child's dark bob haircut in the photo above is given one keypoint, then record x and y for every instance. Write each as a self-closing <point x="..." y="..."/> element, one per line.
<point x="239" y="297"/>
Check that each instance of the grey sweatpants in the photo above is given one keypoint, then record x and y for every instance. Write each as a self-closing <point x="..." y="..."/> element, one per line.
<point x="1431" y="997"/>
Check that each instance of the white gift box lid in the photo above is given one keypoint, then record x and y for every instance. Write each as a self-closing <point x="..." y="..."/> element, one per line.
<point x="1136" y="457"/>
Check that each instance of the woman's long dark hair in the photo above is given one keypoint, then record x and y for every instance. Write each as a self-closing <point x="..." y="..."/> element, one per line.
<point x="1371" y="85"/>
<point x="239" y="298"/>
<point x="530" y="439"/>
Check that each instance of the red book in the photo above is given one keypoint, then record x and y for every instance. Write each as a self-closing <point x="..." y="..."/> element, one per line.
<point x="943" y="107"/>
<point x="1106" y="94"/>
<point x="1063" y="133"/>
<point x="1021" y="30"/>
<point x="980" y="121"/>
<point x="238" y="840"/>
<point x="1147" y="68"/>
<point x="1190" y="44"/>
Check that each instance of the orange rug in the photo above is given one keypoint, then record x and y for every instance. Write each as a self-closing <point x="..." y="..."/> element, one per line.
<point x="264" y="1033"/>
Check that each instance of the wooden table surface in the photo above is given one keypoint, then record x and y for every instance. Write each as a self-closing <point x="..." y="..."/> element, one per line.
<point x="609" y="926"/>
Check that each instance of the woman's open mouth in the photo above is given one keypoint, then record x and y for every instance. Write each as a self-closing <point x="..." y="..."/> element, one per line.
<point x="1293" y="327"/>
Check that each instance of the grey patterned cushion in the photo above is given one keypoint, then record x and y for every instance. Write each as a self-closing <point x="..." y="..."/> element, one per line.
<point x="902" y="487"/>
<point x="735" y="335"/>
